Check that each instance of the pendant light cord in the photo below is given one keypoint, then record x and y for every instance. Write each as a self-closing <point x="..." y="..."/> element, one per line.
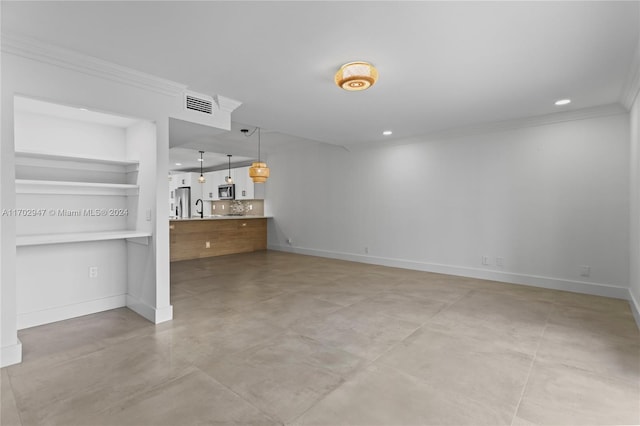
<point x="248" y="135"/>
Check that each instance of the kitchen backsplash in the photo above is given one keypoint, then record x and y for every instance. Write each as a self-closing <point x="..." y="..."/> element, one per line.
<point x="238" y="207"/>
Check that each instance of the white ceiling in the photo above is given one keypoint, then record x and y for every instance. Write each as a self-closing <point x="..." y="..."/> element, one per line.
<point x="442" y="65"/>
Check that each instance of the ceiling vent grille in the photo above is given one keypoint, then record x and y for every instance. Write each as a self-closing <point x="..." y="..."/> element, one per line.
<point x="194" y="103"/>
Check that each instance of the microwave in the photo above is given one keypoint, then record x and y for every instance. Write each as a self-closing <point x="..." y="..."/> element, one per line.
<point x="227" y="192"/>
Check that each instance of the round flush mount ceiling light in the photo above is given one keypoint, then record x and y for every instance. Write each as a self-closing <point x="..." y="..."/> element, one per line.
<point x="561" y="102"/>
<point x="356" y="76"/>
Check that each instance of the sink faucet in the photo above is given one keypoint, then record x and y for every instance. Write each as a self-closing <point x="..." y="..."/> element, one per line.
<point x="199" y="200"/>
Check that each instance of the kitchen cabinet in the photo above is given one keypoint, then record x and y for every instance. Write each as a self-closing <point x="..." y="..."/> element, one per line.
<point x="244" y="184"/>
<point x="211" y="186"/>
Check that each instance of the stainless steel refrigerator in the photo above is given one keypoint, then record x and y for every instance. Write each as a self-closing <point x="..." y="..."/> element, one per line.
<point x="183" y="202"/>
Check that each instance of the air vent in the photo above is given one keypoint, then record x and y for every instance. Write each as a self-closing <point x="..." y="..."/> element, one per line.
<point x="194" y="103"/>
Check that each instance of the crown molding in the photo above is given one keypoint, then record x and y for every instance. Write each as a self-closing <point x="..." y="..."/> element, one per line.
<point x="227" y="104"/>
<point x="37" y="50"/>
<point x="499" y="126"/>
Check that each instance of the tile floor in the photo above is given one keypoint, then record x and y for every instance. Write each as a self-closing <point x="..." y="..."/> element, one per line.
<point x="276" y="338"/>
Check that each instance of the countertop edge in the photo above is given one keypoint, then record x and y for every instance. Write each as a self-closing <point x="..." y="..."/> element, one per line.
<point x="197" y="219"/>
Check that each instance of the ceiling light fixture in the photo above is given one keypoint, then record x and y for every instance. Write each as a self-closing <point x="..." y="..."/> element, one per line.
<point x="178" y="164"/>
<point x="228" y="178"/>
<point x="201" y="179"/>
<point x="563" y="102"/>
<point x="258" y="172"/>
<point x="356" y="76"/>
<point x="387" y="132"/>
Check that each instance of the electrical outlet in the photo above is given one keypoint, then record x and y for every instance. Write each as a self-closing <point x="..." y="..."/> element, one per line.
<point x="289" y="241"/>
<point x="485" y="260"/>
<point x="207" y="244"/>
<point x="93" y="272"/>
<point x="500" y="261"/>
<point x="148" y="215"/>
<point x="585" y="270"/>
<point x="366" y="250"/>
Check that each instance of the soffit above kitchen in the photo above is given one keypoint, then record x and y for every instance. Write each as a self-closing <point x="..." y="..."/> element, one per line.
<point x="442" y="65"/>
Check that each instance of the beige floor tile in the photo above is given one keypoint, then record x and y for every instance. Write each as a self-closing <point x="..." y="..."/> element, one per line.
<point x="58" y="342"/>
<point x="219" y="300"/>
<point x="9" y="415"/>
<point x="472" y="366"/>
<point x="73" y="390"/>
<point x="401" y="306"/>
<point x="523" y="292"/>
<point x="288" y="309"/>
<point x="333" y="293"/>
<point x="437" y="289"/>
<point x="592" y="303"/>
<point x="192" y="399"/>
<point x="369" y="281"/>
<point x="584" y="323"/>
<point x="219" y="335"/>
<point x="381" y="395"/>
<point x="362" y="331"/>
<point x="191" y="275"/>
<point x="520" y="321"/>
<point x="557" y="394"/>
<point x="606" y="355"/>
<point x="285" y="376"/>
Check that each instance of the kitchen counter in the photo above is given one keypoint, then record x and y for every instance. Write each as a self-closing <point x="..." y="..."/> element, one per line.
<point x="196" y="238"/>
<point x="218" y="217"/>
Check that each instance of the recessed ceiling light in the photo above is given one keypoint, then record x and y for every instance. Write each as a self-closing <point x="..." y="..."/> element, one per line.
<point x="563" y="102"/>
<point x="387" y="132"/>
<point x="178" y="164"/>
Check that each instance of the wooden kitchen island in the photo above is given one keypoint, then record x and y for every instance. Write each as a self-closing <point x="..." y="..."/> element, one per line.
<point x="216" y="236"/>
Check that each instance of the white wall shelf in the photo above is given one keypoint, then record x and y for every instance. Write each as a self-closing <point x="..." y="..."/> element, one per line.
<point x="78" y="237"/>
<point x="29" y="186"/>
<point x="41" y="155"/>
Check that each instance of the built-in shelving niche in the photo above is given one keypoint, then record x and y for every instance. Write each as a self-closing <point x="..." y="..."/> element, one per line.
<point x="79" y="192"/>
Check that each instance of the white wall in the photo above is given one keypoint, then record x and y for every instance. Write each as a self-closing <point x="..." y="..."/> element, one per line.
<point x="547" y="199"/>
<point x="634" y="233"/>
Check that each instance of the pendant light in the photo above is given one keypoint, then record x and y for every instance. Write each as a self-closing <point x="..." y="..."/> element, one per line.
<point x="201" y="179"/>
<point x="228" y="178"/>
<point x="259" y="172"/>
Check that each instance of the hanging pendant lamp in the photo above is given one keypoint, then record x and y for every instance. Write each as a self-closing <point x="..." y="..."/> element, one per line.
<point x="259" y="172"/>
<point x="228" y="178"/>
<point x="201" y="179"/>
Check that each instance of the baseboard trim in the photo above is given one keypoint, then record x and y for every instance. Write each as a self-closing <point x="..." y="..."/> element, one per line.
<point x="635" y="308"/>
<point x="154" y="315"/>
<point x="11" y="354"/>
<point x="596" y="289"/>
<point x="46" y="316"/>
